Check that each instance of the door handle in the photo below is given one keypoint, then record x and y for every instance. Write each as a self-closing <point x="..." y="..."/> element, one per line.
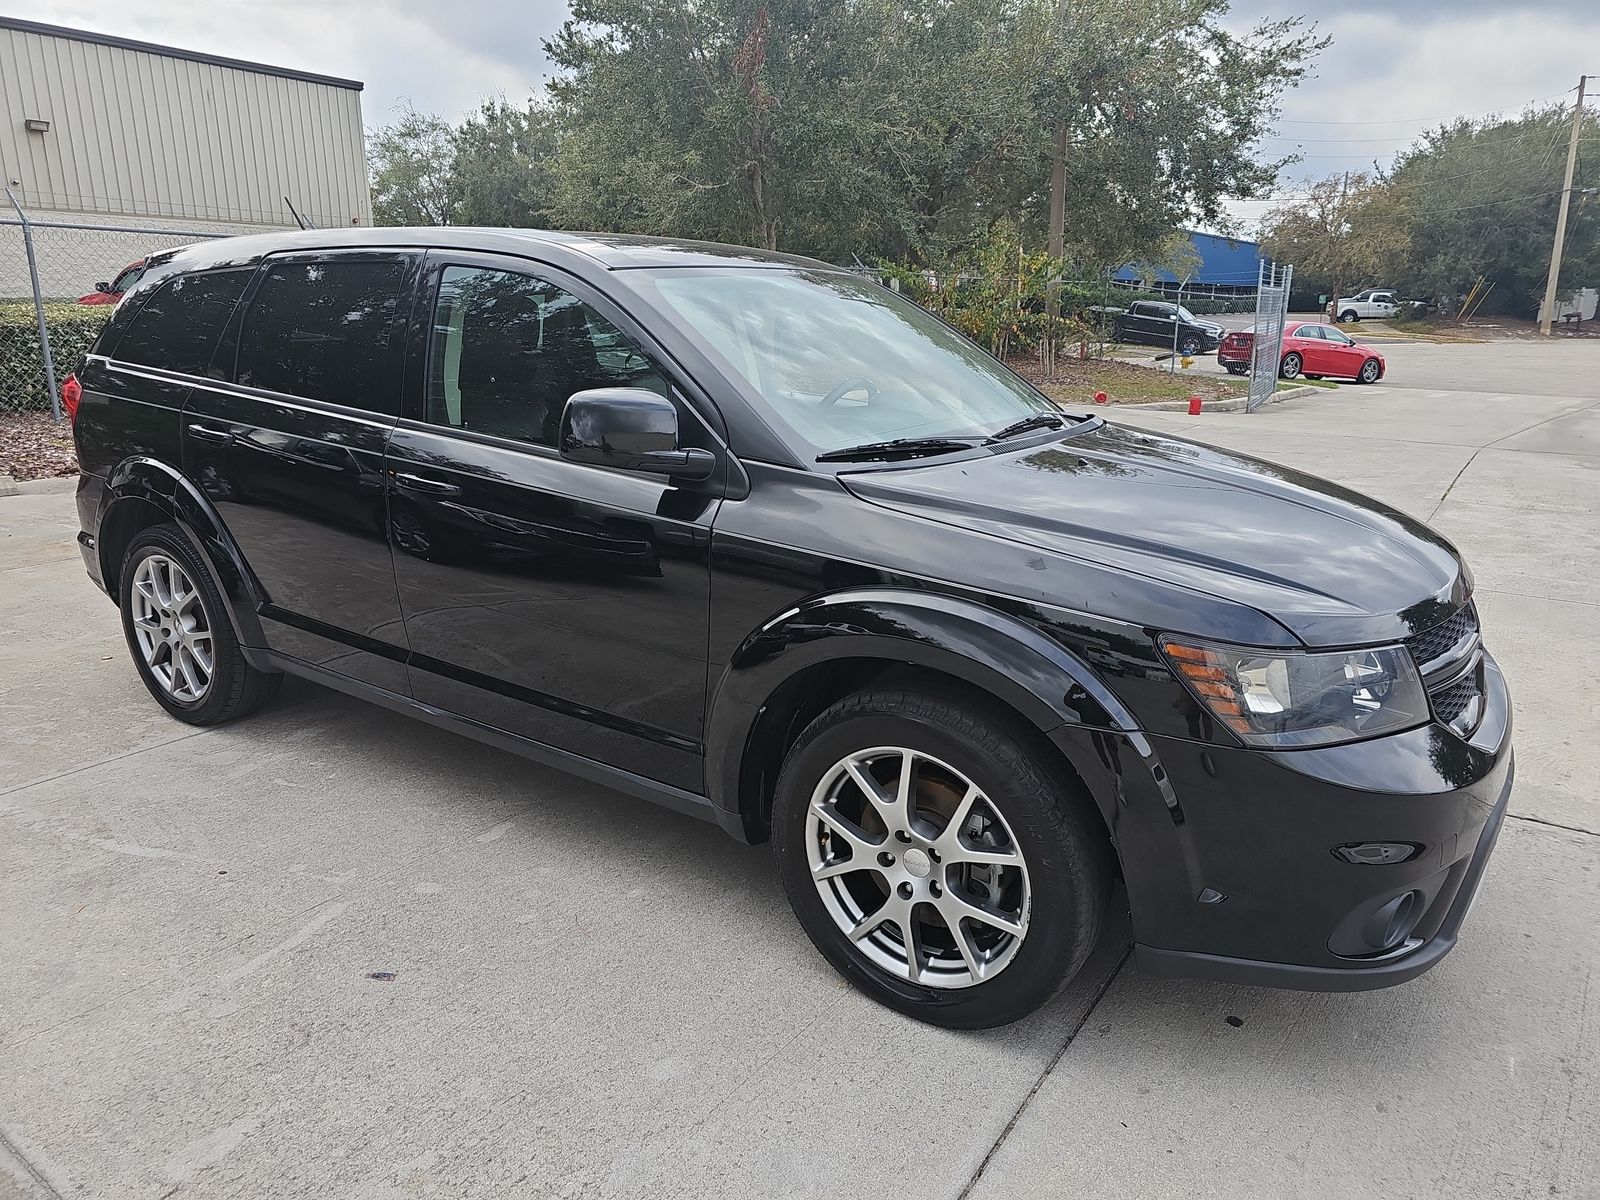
<point x="431" y="487"/>
<point x="204" y="433"/>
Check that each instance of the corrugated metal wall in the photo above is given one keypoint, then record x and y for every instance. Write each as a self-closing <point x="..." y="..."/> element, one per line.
<point x="140" y="134"/>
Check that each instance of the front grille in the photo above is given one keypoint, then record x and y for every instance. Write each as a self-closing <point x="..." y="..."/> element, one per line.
<point x="1442" y="638"/>
<point x="1456" y="703"/>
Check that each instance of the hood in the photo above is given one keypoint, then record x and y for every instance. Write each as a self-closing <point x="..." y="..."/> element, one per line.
<point x="1212" y="326"/>
<point x="1331" y="565"/>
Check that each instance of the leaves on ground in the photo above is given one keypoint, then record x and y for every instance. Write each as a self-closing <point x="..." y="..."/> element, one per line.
<point x="35" y="446"/>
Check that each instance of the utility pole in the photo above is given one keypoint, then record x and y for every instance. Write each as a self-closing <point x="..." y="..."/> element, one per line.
<point x="1547" y="314"/>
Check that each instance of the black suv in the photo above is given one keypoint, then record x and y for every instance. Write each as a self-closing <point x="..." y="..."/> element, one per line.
<point x="1171" y="326"/>
<point x="759" y="540"/>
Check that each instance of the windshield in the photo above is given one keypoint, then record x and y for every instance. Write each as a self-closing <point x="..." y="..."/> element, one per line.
<point x="839" y="361"/>
<point x="1185" y="315"/>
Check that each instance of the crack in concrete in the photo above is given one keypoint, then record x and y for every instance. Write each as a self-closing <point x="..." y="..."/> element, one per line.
<point x="9" y="1147"/>
<point x="1554" y="825"/>
<point x="1038" y="1083"/>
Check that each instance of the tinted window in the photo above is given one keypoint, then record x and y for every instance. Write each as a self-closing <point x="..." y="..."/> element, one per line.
<point x="129" y="277"/>
<point x="179" y="325"/>
<point x="510" y="349"/>
<point x="320" y="329"/>
<point x="1309" y="331"/>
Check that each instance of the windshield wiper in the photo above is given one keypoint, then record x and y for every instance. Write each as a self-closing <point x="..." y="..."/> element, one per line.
<point x="1037" y="421"/>
<point x="898" y="448"/>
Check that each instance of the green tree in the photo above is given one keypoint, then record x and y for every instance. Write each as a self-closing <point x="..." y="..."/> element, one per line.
<point x="410" y="161"/>
<point x="1482" y="199"/>
<point x="500" y="170"/>
<point x="1149" y="116"/>
<point x="1344" y="229"/>
<point x="908" y="128"/>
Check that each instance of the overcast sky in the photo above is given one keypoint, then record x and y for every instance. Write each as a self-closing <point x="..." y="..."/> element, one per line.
<point x="1395" y="66"/>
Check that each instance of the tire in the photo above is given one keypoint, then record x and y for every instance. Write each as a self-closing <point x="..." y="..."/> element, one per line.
<point x="1190" y="346"/>
<point x="1371" y="372"/>
<point x="173" y="627"/>
<point x="1289" y="368"/>
<point x="1051" y="878"/>
<point x="1349" y="315"/>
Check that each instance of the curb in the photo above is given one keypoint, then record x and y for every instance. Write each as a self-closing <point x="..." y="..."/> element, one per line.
<point x="1232" y="405"/>
<point x="37" y="487"/>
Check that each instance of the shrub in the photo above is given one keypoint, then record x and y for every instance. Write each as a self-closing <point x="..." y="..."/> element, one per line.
<point x="73" y="328"/>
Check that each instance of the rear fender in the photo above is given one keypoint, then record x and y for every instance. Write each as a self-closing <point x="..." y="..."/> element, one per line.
<point x="156" y="483"/>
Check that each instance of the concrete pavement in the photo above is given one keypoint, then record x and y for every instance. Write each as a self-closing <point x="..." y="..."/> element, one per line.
<point x="595" y="997"/>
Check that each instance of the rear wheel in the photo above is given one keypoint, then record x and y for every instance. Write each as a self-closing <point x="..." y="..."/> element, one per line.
<point x="937" y="860"/>
<point x="178" y="632"/>
<point x="1289" y="368"/>
<point x="1349" y="314"/>
<point x="1370" y="371"/>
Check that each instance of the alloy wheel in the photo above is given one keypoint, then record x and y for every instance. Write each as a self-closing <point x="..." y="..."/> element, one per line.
<point x="1369" y="371"/>
<point x="1290" y="367"/>
<point x="917" y="867"/>
<point x="173" y="629"/>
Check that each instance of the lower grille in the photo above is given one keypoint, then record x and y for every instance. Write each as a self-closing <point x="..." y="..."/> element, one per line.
<point x="1449" y="704"/>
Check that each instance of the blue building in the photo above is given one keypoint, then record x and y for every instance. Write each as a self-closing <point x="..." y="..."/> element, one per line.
<point x="1227" y="267"/>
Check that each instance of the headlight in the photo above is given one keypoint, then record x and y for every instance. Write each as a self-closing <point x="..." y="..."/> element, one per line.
<point x="1288" y="698"/>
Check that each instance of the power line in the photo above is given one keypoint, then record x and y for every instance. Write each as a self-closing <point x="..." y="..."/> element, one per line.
<point x="1429" y="120"/>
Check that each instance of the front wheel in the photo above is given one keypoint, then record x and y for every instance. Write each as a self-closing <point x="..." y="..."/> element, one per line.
<point x="1370" y="371"/>
<point x="1190" y="346"/>
<point x="937" y="858"/>
<point x="178" y="632"/>
<point x="1290" y="367"/>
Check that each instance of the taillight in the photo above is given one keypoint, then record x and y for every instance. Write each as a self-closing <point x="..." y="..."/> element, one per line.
<point x="71" y="394"/>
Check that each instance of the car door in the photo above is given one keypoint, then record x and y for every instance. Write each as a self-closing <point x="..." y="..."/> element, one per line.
<point x="561" y="602"/>
<point x="1344" y="357"/>
<point x="289" y="446"/>
<point x="1304" y="342"/>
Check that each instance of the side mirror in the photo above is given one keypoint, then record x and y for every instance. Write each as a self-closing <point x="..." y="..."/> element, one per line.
<point x="102" y="286"/>
<point x="632" y="429"/>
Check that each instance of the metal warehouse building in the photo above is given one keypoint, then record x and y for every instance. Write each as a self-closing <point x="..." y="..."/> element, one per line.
<point x="1226" y="266"/>
<point x="107" y="131"/>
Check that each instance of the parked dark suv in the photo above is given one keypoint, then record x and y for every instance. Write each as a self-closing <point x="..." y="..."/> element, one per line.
<point x="759" y="540"/>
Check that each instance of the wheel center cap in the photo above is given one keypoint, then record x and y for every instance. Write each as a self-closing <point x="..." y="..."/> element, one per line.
<point x="917" y="862"/>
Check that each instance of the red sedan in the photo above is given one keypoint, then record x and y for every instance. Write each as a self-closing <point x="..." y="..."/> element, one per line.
<point x="1310" y="349"/>
<point x="110" y="293"/>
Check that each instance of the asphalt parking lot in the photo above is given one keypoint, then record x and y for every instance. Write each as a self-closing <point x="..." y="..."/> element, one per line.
<point x="594" y="997"/>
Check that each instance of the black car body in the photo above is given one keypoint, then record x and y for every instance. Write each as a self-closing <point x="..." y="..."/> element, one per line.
<point x="1171" y="326"/>
<point x="671" y="625"/>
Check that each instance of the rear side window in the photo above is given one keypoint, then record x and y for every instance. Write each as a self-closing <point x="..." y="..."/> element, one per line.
<point x="178" y="326"/>
<point x="320" y="329"/>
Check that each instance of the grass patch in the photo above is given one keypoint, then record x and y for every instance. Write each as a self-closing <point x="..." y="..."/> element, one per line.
<point x="1304" y="382"/>
<point x="1075" y="383"/>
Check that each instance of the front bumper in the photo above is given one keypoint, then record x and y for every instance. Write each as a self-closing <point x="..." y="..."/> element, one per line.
<point x="1386" y="972"/>
<point x="1241" y="875"/>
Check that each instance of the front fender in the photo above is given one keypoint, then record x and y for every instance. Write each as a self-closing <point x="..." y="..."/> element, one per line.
<point x="156" y="483"/>
<point x="998" y="653"/>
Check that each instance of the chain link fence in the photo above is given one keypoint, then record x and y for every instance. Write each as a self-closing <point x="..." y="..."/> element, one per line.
<point x="1272" y="310"/>
<point x="58" y="283"/>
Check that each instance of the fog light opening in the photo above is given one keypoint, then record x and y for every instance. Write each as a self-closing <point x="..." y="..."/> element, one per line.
<point x="1393" y="923"/>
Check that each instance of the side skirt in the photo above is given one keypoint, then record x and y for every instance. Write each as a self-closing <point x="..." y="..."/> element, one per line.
<point x="623" y="781"/>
